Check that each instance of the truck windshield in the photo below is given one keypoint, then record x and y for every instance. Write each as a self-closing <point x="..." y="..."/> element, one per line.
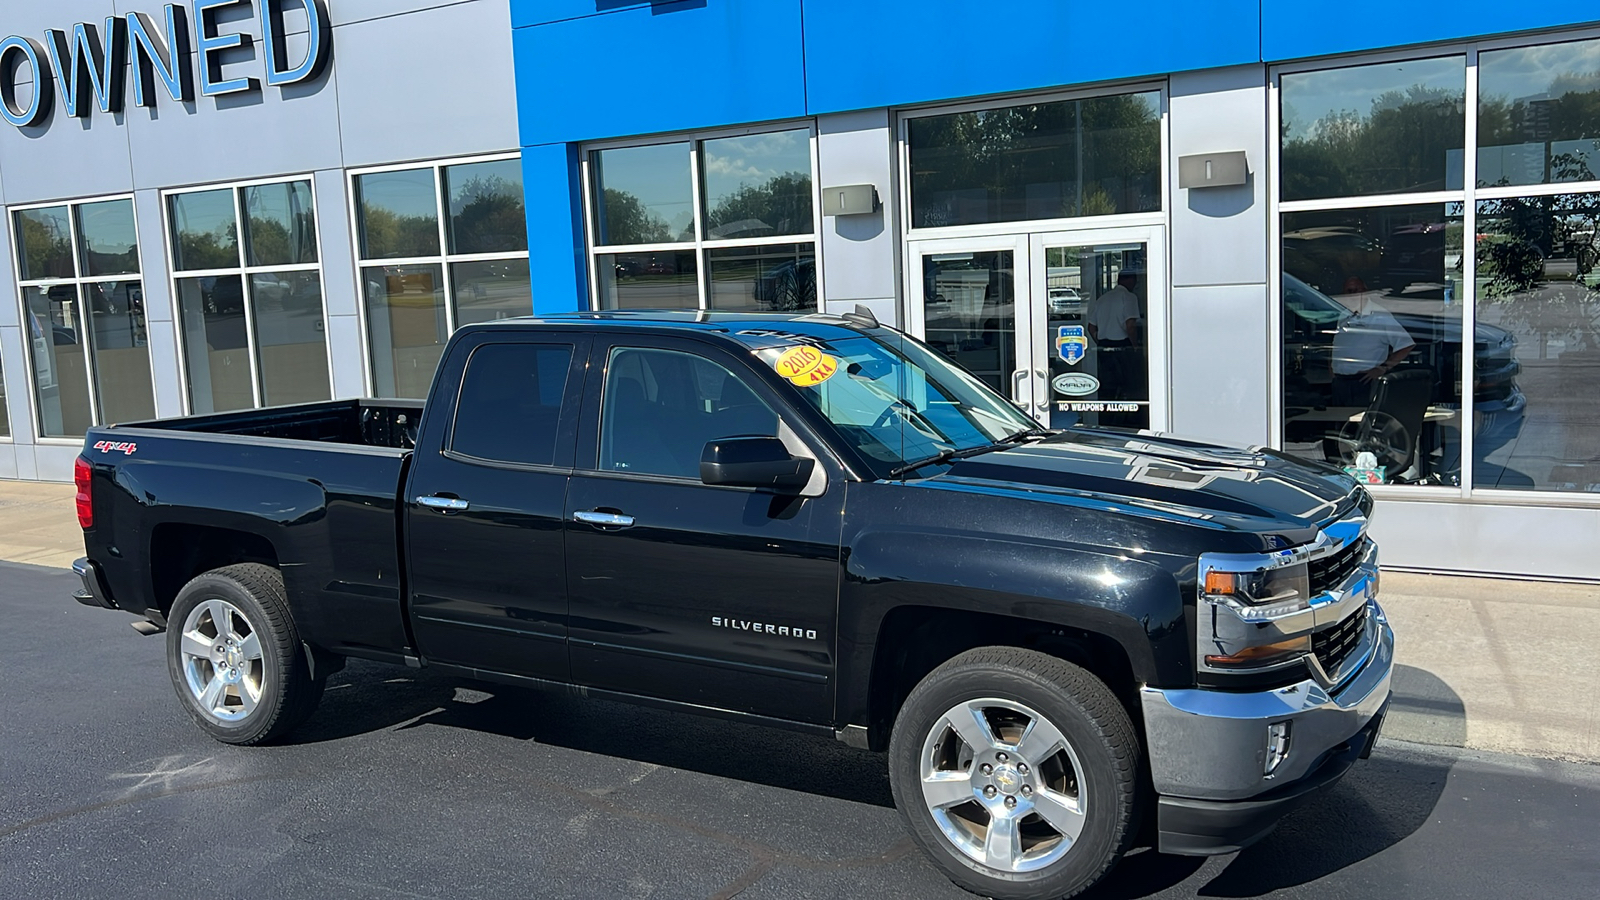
<point x="893" y="399"/>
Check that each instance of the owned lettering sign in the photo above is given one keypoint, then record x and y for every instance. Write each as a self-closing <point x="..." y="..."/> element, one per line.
<point x="91" y="64"/>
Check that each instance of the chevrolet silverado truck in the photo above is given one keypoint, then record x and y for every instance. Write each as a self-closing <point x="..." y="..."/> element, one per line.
<point x="811" y="522"/>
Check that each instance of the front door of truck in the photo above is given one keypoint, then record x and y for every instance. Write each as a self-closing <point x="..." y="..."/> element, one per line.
<point x="719" y="596"/>
<point x="484" y="513"/>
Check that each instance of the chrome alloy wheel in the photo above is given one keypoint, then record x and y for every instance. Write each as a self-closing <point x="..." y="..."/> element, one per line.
<point x="1002" y="783"/>
<point x="222" y="660"/>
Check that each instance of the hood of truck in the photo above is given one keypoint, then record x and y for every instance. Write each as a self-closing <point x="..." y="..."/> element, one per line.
<point x="1237" y="488"/>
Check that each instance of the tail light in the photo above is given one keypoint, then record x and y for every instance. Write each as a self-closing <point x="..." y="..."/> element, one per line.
<point x="80" y="478"/>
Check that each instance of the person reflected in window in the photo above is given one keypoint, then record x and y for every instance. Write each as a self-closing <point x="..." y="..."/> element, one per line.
<point x="1368" y="345"/>
<point x="1113" y="322"/>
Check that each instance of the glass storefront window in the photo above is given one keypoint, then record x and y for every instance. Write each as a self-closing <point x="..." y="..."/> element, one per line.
<point x="251" y="310"/>
<point x="1376" y="129"/>
<point x="665" y="280"/>
<point x="652" y="249"/>
<point x="758" y="185"/>
<point x="60" y="364"/>
<point x="216" y="343"/>
<point x="399" y="214"/>
<point x="486" y="212"/>
<point x="108" y="241"/>
<point x="776" y="278"/>
<point x="490" y="290"/>
<point x="280" y="224"/>
<point x="5" y="415"/>
<point x="84" y="316"/>
<point x="44" y="239"/>
<point x="1372" y="341"/>
<point x="1539" y="114"/>
<point x="644" y="195"/>
<point x="1538" y="308"/>
<point x="416" y="289"/>
<point x="205" y="230"/>
<point x="406" y="327"/>
<point x="291" y="349"/>
<point x="1069" y="158"/>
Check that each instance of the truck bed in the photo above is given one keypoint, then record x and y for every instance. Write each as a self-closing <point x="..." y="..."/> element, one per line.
<point x="370" y="423"/>
<point x="312" y="488"/>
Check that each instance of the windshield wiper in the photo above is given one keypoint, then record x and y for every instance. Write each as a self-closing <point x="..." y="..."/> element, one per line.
<point x="1035" y="431"/>
<point x="953" y="453"/>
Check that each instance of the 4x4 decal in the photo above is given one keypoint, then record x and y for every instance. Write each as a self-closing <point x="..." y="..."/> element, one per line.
<point x="127" y="447"/>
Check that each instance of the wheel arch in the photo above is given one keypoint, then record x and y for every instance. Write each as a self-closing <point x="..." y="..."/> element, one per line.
<point x="913" y="640"/>
<point x="910" y="601"/>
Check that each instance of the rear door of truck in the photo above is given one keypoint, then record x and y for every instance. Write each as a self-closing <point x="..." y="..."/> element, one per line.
<point x="484" y="505"/>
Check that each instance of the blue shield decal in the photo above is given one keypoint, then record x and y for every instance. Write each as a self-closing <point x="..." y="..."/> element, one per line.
<point x="1071" y="343"/>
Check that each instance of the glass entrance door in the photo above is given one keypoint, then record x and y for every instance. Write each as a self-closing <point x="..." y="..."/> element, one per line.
<point x="969" y="301"/>
<point x="1070" y="325"/>
<point x="1096" y="338"/>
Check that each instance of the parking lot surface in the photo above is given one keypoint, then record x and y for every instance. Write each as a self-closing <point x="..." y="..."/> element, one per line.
<point x="411" y="784"/>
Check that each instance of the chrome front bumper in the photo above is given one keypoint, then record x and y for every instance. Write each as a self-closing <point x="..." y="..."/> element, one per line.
<point x="1208" y="744"/>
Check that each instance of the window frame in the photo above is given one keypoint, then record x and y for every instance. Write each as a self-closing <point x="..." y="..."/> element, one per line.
<point x="700" y="246"/>
<point x="1468" y="195"/>
<point x="902" y="128"/>
<point x="244" y="272"/>
<point x="443" y="259"/>
<point x="77" y="282"/>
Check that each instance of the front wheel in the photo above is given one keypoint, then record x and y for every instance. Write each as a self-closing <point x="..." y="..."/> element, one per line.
<point x="1016" y="773"/>
<point x="235" y="657"/>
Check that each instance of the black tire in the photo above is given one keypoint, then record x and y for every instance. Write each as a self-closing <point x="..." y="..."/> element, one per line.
<point x="1103" y="742"/>
<point x="278" y="683"/>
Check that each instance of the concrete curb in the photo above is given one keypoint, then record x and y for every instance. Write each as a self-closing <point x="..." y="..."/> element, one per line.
<point x="1484" y="664"/>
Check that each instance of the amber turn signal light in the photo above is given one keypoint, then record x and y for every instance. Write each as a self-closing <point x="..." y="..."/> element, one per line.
<point x="1263" y="655"/>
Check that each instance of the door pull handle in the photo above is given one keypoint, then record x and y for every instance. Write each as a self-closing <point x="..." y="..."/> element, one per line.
<point x="603" y="519"/>
<point x="1017" y="378"/>
<point x="443" y="504"/>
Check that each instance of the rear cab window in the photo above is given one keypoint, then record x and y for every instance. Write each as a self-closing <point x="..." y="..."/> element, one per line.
<point x="509" y="408"/>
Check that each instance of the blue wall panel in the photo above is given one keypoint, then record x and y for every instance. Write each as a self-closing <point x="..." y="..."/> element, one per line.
<point x="890" y="52"/>
<point x="1293" y="30"/>
<point x="538" y="12"/>
<point x="552" y="189"/>
<point x="664" y="67"/>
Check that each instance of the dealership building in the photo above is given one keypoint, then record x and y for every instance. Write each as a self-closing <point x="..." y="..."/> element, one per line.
<point x="1258" y="222"/>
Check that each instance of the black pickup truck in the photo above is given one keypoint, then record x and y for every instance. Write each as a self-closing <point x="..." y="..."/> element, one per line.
<point x="808" y="521"/>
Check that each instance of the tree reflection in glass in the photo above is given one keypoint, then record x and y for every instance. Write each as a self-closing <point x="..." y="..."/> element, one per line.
<point x="1069" y="158"/>
<point x="1377" y="129"/>
<point x="1537" y="279"/>
<point x="1539" y="114"/>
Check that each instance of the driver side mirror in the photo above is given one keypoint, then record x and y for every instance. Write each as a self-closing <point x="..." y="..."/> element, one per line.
<point x="756" y="462"/>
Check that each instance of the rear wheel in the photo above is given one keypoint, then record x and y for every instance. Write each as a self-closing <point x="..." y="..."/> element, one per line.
<point x="235" y="657"/>
<point x="1016" y="773"/>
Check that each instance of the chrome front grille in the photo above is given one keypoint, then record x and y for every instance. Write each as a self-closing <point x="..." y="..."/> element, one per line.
<point x="1330" y="571"/>
<point x="1332" y="646"/>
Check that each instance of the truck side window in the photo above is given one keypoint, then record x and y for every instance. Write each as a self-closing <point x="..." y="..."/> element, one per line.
<point x="511" y="403"/>
<point x="662" y="406"/>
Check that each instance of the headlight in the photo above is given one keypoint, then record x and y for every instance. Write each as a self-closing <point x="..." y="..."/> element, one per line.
<point x="1262" y="593"/>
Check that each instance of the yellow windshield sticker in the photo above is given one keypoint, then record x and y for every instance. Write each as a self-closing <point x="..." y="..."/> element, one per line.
<point x="805" y="366"/>
<point x="797" y="361"/>
<point x="817" y="375"/>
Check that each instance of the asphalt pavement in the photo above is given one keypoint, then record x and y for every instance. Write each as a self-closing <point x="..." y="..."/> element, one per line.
<point x="407" y="783"/>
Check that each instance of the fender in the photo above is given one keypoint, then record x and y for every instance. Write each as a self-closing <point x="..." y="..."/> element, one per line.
<point x="1135" y="602"/>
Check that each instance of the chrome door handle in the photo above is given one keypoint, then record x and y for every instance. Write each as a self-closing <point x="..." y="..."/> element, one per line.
<point x="1017" y="378"/>
<point x="603" y="519"/>
<point x="1044" y="377"/>
<point x="443" y="504"/>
